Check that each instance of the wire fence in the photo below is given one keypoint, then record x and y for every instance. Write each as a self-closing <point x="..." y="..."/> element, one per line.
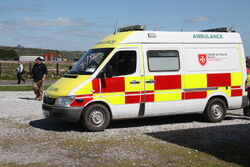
<point x="55" y="69"/>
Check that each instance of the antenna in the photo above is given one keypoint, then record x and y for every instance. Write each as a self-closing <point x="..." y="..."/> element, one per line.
<point x="116" y="22"/>
<point x="182" y="24"/>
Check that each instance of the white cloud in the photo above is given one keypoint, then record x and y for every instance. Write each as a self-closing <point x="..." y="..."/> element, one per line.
<point x="58" y="25"/>
<point x="60" y="22"/>
<point x="52" y="33"/>
<point x="11" y="9"/>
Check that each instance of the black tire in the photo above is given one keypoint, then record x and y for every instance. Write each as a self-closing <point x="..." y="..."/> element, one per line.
<point x="246" y="111"/>
<point x="95" y="117"/>
<point x="215" y="110"/>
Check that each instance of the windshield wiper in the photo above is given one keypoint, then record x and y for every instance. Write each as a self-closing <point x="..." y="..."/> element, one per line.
<point x="84" y="73"/>
<point x="73" y="72"/>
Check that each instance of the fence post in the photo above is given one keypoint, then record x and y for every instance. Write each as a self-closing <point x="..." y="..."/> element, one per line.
<point x="0" y="68"/>
<point x="30" y="69"/>
<point x="57" y="68"/>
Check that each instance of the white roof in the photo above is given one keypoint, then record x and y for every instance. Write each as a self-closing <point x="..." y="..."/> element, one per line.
<point x="183" y="37"/>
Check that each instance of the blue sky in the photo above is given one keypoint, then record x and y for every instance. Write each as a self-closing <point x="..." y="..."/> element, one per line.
<point x="79" y="24"/>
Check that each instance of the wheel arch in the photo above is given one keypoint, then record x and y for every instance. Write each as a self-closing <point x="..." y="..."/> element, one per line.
<point x="220" y="97"/>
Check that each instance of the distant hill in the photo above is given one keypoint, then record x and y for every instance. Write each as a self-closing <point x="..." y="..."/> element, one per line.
<point x="22" y="51"/>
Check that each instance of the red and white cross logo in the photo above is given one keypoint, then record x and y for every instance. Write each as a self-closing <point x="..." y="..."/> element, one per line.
<point x="202" y="59"/>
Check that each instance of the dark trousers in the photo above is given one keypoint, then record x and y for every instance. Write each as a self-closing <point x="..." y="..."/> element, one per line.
<point x="19" y="78"/>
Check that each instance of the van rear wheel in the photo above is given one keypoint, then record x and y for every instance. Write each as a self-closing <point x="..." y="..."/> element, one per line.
<point x="246" y="111"/>
<point x="215" y="110"/>
<point x="95" y="117"/>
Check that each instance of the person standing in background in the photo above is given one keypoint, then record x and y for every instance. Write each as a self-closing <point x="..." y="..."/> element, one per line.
<point x="39" y="72"/>
<point x="20" y="71"/>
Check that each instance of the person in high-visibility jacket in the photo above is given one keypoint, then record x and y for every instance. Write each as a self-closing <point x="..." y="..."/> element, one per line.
<point x="246" y="110"/>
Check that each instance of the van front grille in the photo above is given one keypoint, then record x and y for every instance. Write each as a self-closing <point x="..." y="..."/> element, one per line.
<point x="48" y="100"/>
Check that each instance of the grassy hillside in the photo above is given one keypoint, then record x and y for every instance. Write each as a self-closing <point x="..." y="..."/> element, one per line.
<point x="70" y="55"/>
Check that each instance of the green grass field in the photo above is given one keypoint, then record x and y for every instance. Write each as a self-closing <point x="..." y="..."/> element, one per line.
<point x="19" y="88"/>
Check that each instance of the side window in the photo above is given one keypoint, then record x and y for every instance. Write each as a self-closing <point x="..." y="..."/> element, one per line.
<point x="163" y="60"/>
<point x="123" y="63"/>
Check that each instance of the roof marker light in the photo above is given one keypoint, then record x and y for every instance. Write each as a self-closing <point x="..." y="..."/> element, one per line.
<point x="221" y="29"/>
<point x="132" y="28"/>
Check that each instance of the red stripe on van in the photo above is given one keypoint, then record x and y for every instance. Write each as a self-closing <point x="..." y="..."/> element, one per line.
<point x="183" y="95"/>
<point x="236" y="92"/>
<point x="194" y="95"/>
<point x="132" y="97"/>
<point x="167" y="82"/>
<point x="149" y="97"/>
<point x="84" y="99"/>
<point x="110" y="85"/>
<point x="96" y="85"/>
<point x="217" y="80"/>
<point x="233" y="87"/>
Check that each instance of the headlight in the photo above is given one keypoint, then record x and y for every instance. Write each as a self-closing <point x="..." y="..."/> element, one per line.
<point x="65" y="100"/>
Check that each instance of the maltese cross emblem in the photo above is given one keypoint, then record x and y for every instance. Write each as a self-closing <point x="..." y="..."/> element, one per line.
<point x="202" y="59"/>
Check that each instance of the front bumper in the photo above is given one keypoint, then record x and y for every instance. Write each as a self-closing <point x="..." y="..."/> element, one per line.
<point x="70" y="114"/>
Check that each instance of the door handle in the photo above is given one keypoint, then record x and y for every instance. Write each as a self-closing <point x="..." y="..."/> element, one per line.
<point x="151" y="81"/>
<point x="133" y="82"/>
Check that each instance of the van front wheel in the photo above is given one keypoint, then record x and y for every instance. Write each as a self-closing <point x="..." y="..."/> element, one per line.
<point x="95" y="117"/>
<point x="215" y="110"/>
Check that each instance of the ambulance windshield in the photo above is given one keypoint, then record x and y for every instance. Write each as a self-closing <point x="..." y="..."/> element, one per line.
<point x="90" y="61"/>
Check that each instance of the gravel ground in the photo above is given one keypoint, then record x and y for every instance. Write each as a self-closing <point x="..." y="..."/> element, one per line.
<point x="29" y="139"/>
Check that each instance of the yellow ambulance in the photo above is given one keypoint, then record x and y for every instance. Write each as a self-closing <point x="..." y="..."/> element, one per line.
<point x="136" y="73"/>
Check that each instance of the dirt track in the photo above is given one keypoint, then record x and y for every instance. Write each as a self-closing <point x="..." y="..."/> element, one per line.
<point x="29" y="139"/>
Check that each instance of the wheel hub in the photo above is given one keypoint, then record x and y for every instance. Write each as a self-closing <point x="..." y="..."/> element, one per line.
<point x="97" y="117"/>
<point x="216" y="110"/>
